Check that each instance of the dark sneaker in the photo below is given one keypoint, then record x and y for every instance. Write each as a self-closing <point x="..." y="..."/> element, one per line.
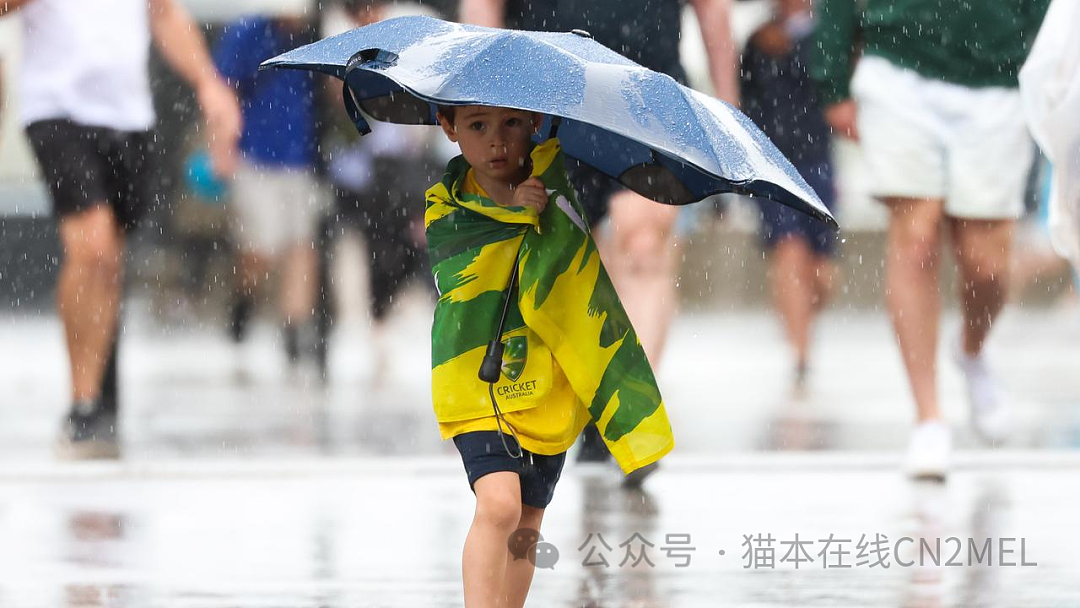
<point x="592" y="446"/>
<point x="240" y="317"/>
<point x="89" y="433"/>
<point x="802" y="375"/>
<point x="110" y="384"/>
<point x="291" y="340"/>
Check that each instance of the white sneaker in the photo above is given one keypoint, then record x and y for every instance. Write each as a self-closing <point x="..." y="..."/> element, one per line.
<point x="929" y="451"/>
<point x="989" y="416"/>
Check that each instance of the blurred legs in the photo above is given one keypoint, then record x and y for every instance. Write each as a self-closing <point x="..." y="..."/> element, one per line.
<point x="88" y="294"/>
<point x="801" y="282"/>
<point x="641" y="258"/>
<point x="298" y="283"/>
<point x="983" y="251"/>
<point x="912" y="294"/>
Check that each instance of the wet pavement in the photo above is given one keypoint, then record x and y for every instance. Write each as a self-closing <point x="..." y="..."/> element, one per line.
<point x="244" y="484"/>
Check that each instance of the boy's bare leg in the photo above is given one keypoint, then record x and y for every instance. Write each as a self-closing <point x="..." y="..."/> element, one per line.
<point x="88" y="294"/>
<point x="519" y="572"/>
<point x="912" y="294"/>
<point x="983" y="253"/>
<point x="484" y="559"/>
<point x="641" y="259"/>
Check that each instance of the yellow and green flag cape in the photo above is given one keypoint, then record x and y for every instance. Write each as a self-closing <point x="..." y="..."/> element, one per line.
<point x="566" y="305"/>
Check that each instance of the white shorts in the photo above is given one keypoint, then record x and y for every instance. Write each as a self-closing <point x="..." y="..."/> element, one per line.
<point x="274" y="209"/>
<point x="924" y="138"/>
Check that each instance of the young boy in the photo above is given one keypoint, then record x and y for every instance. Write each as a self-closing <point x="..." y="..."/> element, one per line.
<point x="571" y="353"/>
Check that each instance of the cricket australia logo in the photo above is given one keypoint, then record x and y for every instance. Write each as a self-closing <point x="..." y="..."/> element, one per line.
<point x="514" y="356"/>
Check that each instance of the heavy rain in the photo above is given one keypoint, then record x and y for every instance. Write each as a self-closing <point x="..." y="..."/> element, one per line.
<point x="334" y="303"/>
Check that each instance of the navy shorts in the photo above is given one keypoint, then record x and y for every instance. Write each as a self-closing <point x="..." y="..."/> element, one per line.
<point x="482" y="452"/>
<point x="779" y="221"/>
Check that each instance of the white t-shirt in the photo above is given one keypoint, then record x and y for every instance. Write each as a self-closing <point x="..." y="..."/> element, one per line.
<point x="87" y="62"/>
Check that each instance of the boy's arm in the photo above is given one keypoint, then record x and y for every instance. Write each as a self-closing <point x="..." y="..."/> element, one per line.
<point x="489" y="13"/>
<point x="714" y="17"/>
<point x="183" y="47"/>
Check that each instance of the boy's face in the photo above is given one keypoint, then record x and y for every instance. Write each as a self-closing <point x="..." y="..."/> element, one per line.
<point x="495" y="141"/>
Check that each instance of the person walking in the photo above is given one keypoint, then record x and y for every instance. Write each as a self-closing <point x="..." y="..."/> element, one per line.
<point x="934" y="103"/>
<point x="779" y="96"/>
<point x="86" y="107"/>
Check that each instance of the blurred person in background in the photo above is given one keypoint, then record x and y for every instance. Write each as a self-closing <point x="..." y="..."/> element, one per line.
<point x="275" y="195"/>
<point x="934" y="103"/>
<point x="1035" y="261"/>
<point x="86" y="106"/>
<point x="1050" y="88"/>
<point x="778" y="94"/>
<point x="377" y="180"/>
<point x="639" y="252"/>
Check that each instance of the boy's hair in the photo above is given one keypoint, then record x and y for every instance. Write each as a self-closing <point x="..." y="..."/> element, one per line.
<point x="447" y="112"/>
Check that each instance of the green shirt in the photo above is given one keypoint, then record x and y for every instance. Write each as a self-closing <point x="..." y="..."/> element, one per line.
<point x="975" y="43"/>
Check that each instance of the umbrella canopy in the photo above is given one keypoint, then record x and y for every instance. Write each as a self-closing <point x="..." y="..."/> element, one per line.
<point x="663" y="140"/>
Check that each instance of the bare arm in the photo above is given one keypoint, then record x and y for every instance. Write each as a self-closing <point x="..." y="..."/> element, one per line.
<point x="8" y="6"/>
<point x="714" y="16"/>
<point x="183" y="47"/>
<point x="490" y="13"/>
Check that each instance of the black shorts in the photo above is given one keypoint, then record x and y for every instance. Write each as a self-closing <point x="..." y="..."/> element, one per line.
<point x="86" y="166"/>
<point x="482" y="452"/>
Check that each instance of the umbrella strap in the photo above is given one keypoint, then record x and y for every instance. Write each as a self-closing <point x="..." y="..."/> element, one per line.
<point x="500" y="419"/>
<point x="358" y="119"/>
<point x="491" y="367"/>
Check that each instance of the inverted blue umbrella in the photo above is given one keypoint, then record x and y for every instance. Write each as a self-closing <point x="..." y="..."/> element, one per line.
<point x="663" y="140"/>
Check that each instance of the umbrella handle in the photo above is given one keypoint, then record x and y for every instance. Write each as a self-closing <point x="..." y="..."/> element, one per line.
<point x="492" y="364"/>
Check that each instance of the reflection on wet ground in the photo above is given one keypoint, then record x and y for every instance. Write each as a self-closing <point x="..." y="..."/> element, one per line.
<point x="376" y="537"/>
<point x="241" y="485"/>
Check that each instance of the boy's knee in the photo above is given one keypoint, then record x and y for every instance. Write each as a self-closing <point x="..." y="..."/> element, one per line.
<point x="499" y="509"/>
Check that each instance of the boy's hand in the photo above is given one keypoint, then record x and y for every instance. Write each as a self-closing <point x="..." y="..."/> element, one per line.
<point x="531" y="193"/>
